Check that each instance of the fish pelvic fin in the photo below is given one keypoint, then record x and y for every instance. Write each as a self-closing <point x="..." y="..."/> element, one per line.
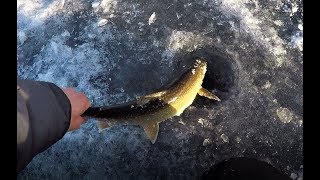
<point x="102" y="125"/>
<point x="204" y="92"/>
<point x="151" y="129"/>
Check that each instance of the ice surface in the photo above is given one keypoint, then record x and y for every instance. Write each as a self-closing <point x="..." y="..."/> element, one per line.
<point x="108" y="50"/>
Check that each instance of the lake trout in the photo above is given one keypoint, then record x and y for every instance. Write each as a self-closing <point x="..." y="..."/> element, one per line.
<point x="148" y="111"/>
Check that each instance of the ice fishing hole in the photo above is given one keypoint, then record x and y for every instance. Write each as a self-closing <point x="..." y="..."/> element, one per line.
<point x="222" y="73"/>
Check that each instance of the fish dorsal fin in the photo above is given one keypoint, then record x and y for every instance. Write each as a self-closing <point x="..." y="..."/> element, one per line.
<point x="204" y="92"/>
<point x="151" y="129"/>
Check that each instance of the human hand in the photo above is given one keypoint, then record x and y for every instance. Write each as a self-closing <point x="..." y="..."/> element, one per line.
<point x="79" y="104"/>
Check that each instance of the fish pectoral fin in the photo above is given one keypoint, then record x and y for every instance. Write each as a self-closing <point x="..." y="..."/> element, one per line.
<point x="204" y="92"/>
<point x="151" y="129"/>
<point x="102" y="125"/>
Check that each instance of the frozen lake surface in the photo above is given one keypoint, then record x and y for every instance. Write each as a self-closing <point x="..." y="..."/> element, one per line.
<point x="115" y="50"/>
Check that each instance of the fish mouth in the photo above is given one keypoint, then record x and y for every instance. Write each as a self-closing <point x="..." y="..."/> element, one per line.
<point x="200" y="62"/>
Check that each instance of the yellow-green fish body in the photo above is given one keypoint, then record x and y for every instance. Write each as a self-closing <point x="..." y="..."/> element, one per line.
<point x="148" y="111"/>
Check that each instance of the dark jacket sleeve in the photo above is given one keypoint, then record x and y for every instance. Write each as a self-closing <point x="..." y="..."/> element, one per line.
<point x="43" y="117"/>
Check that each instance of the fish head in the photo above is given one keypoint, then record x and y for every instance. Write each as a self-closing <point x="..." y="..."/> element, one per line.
<point x="199" y="68"/>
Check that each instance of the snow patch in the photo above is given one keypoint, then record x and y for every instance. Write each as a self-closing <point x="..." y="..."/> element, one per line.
<point x="284" y="114"/>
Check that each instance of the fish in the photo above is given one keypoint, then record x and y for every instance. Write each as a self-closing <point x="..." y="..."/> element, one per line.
<point x="149" y="110"/>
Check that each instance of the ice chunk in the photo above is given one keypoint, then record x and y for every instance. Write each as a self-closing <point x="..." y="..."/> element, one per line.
<point x="152" y="18"/>
<point x="293" y="176"/>
<point x="284" y="115"/>
<point x="224" y="138"/>
<point x="22" y="37"/>
<point x="102" y="22"/>
<point x="95" y="4"/>
<point x="206" y="142"/>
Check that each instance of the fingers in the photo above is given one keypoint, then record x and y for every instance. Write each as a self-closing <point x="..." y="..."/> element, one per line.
<point x="76" y="123"/>
<point x="84" y="103"/>
<point x="79" y="101"/>
<point x="79" y="104"/>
